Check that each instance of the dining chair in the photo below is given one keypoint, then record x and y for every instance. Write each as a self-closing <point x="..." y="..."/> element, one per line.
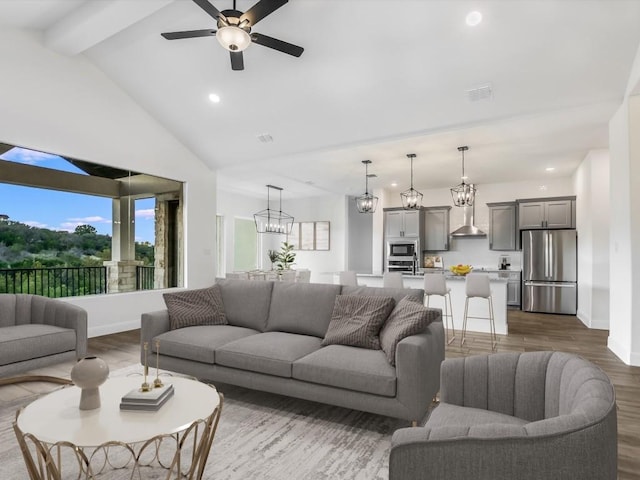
<point x="303" y="275"/>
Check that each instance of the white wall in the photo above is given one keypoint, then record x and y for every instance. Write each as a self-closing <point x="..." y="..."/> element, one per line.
<point x="332" y="208"/>
<point x="620" y="264"/>
<point x="592" y="189"/>
<point x="66" y="106"/>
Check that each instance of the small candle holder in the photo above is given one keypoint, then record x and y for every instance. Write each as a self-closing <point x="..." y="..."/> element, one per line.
<point x="145" y="387"/>
<point x="157" y="383"/>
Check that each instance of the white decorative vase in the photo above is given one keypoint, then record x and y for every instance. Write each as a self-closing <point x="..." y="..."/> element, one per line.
<point x="88" y="374"/>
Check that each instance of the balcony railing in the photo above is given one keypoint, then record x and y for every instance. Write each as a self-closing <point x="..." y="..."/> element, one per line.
<point x="54" y="282"/>
<point x="144" y="278"/>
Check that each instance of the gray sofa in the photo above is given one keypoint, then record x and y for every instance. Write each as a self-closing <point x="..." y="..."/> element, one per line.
<point x="38" y="331"/>
<point x="536" y="415"/>
<point x="272" y="343"/>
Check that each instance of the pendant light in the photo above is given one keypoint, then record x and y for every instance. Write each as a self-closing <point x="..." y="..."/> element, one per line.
<point x="463" y="194"/>
<point x="411" y="199"/>
<point x="366" y="203"/>
<point x="273" y="221"/>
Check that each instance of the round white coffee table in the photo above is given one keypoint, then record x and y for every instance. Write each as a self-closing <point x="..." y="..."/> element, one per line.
<point x="55" y="420"/>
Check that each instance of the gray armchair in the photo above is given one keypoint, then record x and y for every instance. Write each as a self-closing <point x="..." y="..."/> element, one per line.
<point x="38" y="331"/>
<point x="535" y="415"/>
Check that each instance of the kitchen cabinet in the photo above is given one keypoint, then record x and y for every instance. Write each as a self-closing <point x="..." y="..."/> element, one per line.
<point x="513" y="279"/>
<point x="436" y="229"/>
<point x="547" y="213"/>
<point x="402" y="223"/>
<point x="503" y="229"/>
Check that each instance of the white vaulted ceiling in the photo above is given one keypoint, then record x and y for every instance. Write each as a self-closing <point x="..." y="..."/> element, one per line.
<point x="377" y="80"/>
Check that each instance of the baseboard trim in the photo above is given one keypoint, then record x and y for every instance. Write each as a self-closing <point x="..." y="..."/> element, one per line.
<point x="113" y="328"/>
<point x="623" y="353"/>
<point x="601" y="324"/>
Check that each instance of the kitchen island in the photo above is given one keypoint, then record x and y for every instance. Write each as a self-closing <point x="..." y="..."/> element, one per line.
<point x="478" y="307"/>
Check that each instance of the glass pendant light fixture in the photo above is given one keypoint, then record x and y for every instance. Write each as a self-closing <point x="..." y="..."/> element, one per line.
<point x="273" y="221"/>
<point x="463" y="194"/>
<point x="366" y="203"/>
<point x="411" y="199"/>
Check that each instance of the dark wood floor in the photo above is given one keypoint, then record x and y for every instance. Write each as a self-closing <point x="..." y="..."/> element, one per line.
<point x="527" y="332"/>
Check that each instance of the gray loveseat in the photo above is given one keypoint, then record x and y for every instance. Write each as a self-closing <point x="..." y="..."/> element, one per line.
<point x="38" y="331"/>
<point x="272" y="343"/>
<point x="530" y="416"/>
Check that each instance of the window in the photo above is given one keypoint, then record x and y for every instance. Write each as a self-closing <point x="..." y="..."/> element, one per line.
<point x="245" y="245"/>
<point x="65" y="228"/>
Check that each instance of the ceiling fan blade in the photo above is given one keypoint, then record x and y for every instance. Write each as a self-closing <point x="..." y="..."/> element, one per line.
<point x="276" y="44"/>
<point x="261" y="10"/>
<point x="237" y="61"/>
<point x="210" y="9"/>
<point x="188" y="34"/>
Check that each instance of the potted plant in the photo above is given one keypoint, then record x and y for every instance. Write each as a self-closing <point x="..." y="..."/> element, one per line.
<point x="286" y="256"/>
<point x="273" y="257"/>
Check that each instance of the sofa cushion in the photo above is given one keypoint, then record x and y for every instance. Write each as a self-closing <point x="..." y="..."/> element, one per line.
<point x="25" y="342"/>
<point x="199" y="343"/>
<point x="407" y="318"/>
<point x="397" y="294"/>
<point x="189" y="308"/>
<point x="357" y="319"/>
<point x="303" y="308"/>
<point x="271" y="353"/>
<point x="347" y="367"/>
<point x="446" y="415"/>
<point x="246" y="302"/>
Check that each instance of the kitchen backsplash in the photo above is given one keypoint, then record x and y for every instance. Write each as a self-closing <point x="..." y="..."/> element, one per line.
<point x="475" y="252"/>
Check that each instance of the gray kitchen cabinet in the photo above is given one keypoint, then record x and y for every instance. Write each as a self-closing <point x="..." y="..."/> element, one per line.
<point x="402" y="223"/>
<point x="547" y="213"/>
<point x="436" y="229"/>
<point x="513" y="286"/>
<point x="503" y="229"/>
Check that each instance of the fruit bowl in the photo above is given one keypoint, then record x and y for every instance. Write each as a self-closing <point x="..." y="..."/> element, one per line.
<point x="460" y="269"/>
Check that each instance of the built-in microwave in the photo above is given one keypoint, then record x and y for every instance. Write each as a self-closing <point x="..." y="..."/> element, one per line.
<point x="401" y="249"/>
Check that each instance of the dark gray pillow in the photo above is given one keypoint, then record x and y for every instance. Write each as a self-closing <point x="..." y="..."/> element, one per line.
<point x="356" y="320"/>
<point x="195" y="307"/>
<point x="408" y="318"/>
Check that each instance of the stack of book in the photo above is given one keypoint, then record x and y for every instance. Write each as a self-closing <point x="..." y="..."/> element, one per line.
<point x="149" y="401"/>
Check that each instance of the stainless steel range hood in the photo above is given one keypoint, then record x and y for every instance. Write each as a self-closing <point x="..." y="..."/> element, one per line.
<point x="468" y="229"/>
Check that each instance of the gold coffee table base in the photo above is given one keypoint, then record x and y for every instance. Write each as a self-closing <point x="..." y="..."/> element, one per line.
<point x="46" y="461"/>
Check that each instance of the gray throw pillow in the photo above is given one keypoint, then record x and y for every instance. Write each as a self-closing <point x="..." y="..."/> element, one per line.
<point x="356" y="320"/>
<point x="195" y="307"/>
<point x="408" y="318"/>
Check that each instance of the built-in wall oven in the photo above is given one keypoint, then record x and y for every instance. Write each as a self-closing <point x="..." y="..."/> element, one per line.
<point x="402" y="256"/>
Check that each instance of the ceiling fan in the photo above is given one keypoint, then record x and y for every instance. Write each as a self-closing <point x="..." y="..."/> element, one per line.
<point x="234" y="30"/>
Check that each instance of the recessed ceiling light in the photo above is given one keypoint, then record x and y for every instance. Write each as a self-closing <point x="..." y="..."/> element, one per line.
<point x="214" y="98"/>
<point x="543" y="187"/>
<point x="394" y="184"/>
<point x="550" y="169"/>
<point x="473" y="18"/>
<point x="265" y="138"/>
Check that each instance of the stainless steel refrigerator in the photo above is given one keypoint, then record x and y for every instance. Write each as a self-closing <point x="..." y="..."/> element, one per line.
<point x="549" y="271"/>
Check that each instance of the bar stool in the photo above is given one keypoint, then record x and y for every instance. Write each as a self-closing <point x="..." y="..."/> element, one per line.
<point x="436" y="284"/>
<point x="477" y="286"/>
<point x="392" y="280"/>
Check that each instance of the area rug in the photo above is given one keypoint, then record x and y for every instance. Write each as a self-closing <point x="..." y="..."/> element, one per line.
<point x="268" y="437"/>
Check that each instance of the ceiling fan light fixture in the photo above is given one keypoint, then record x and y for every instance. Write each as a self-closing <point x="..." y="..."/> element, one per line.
<point x="233" y="38"/>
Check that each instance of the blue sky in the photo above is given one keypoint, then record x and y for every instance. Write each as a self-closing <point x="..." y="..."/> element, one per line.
<point x="63" y="210"/>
